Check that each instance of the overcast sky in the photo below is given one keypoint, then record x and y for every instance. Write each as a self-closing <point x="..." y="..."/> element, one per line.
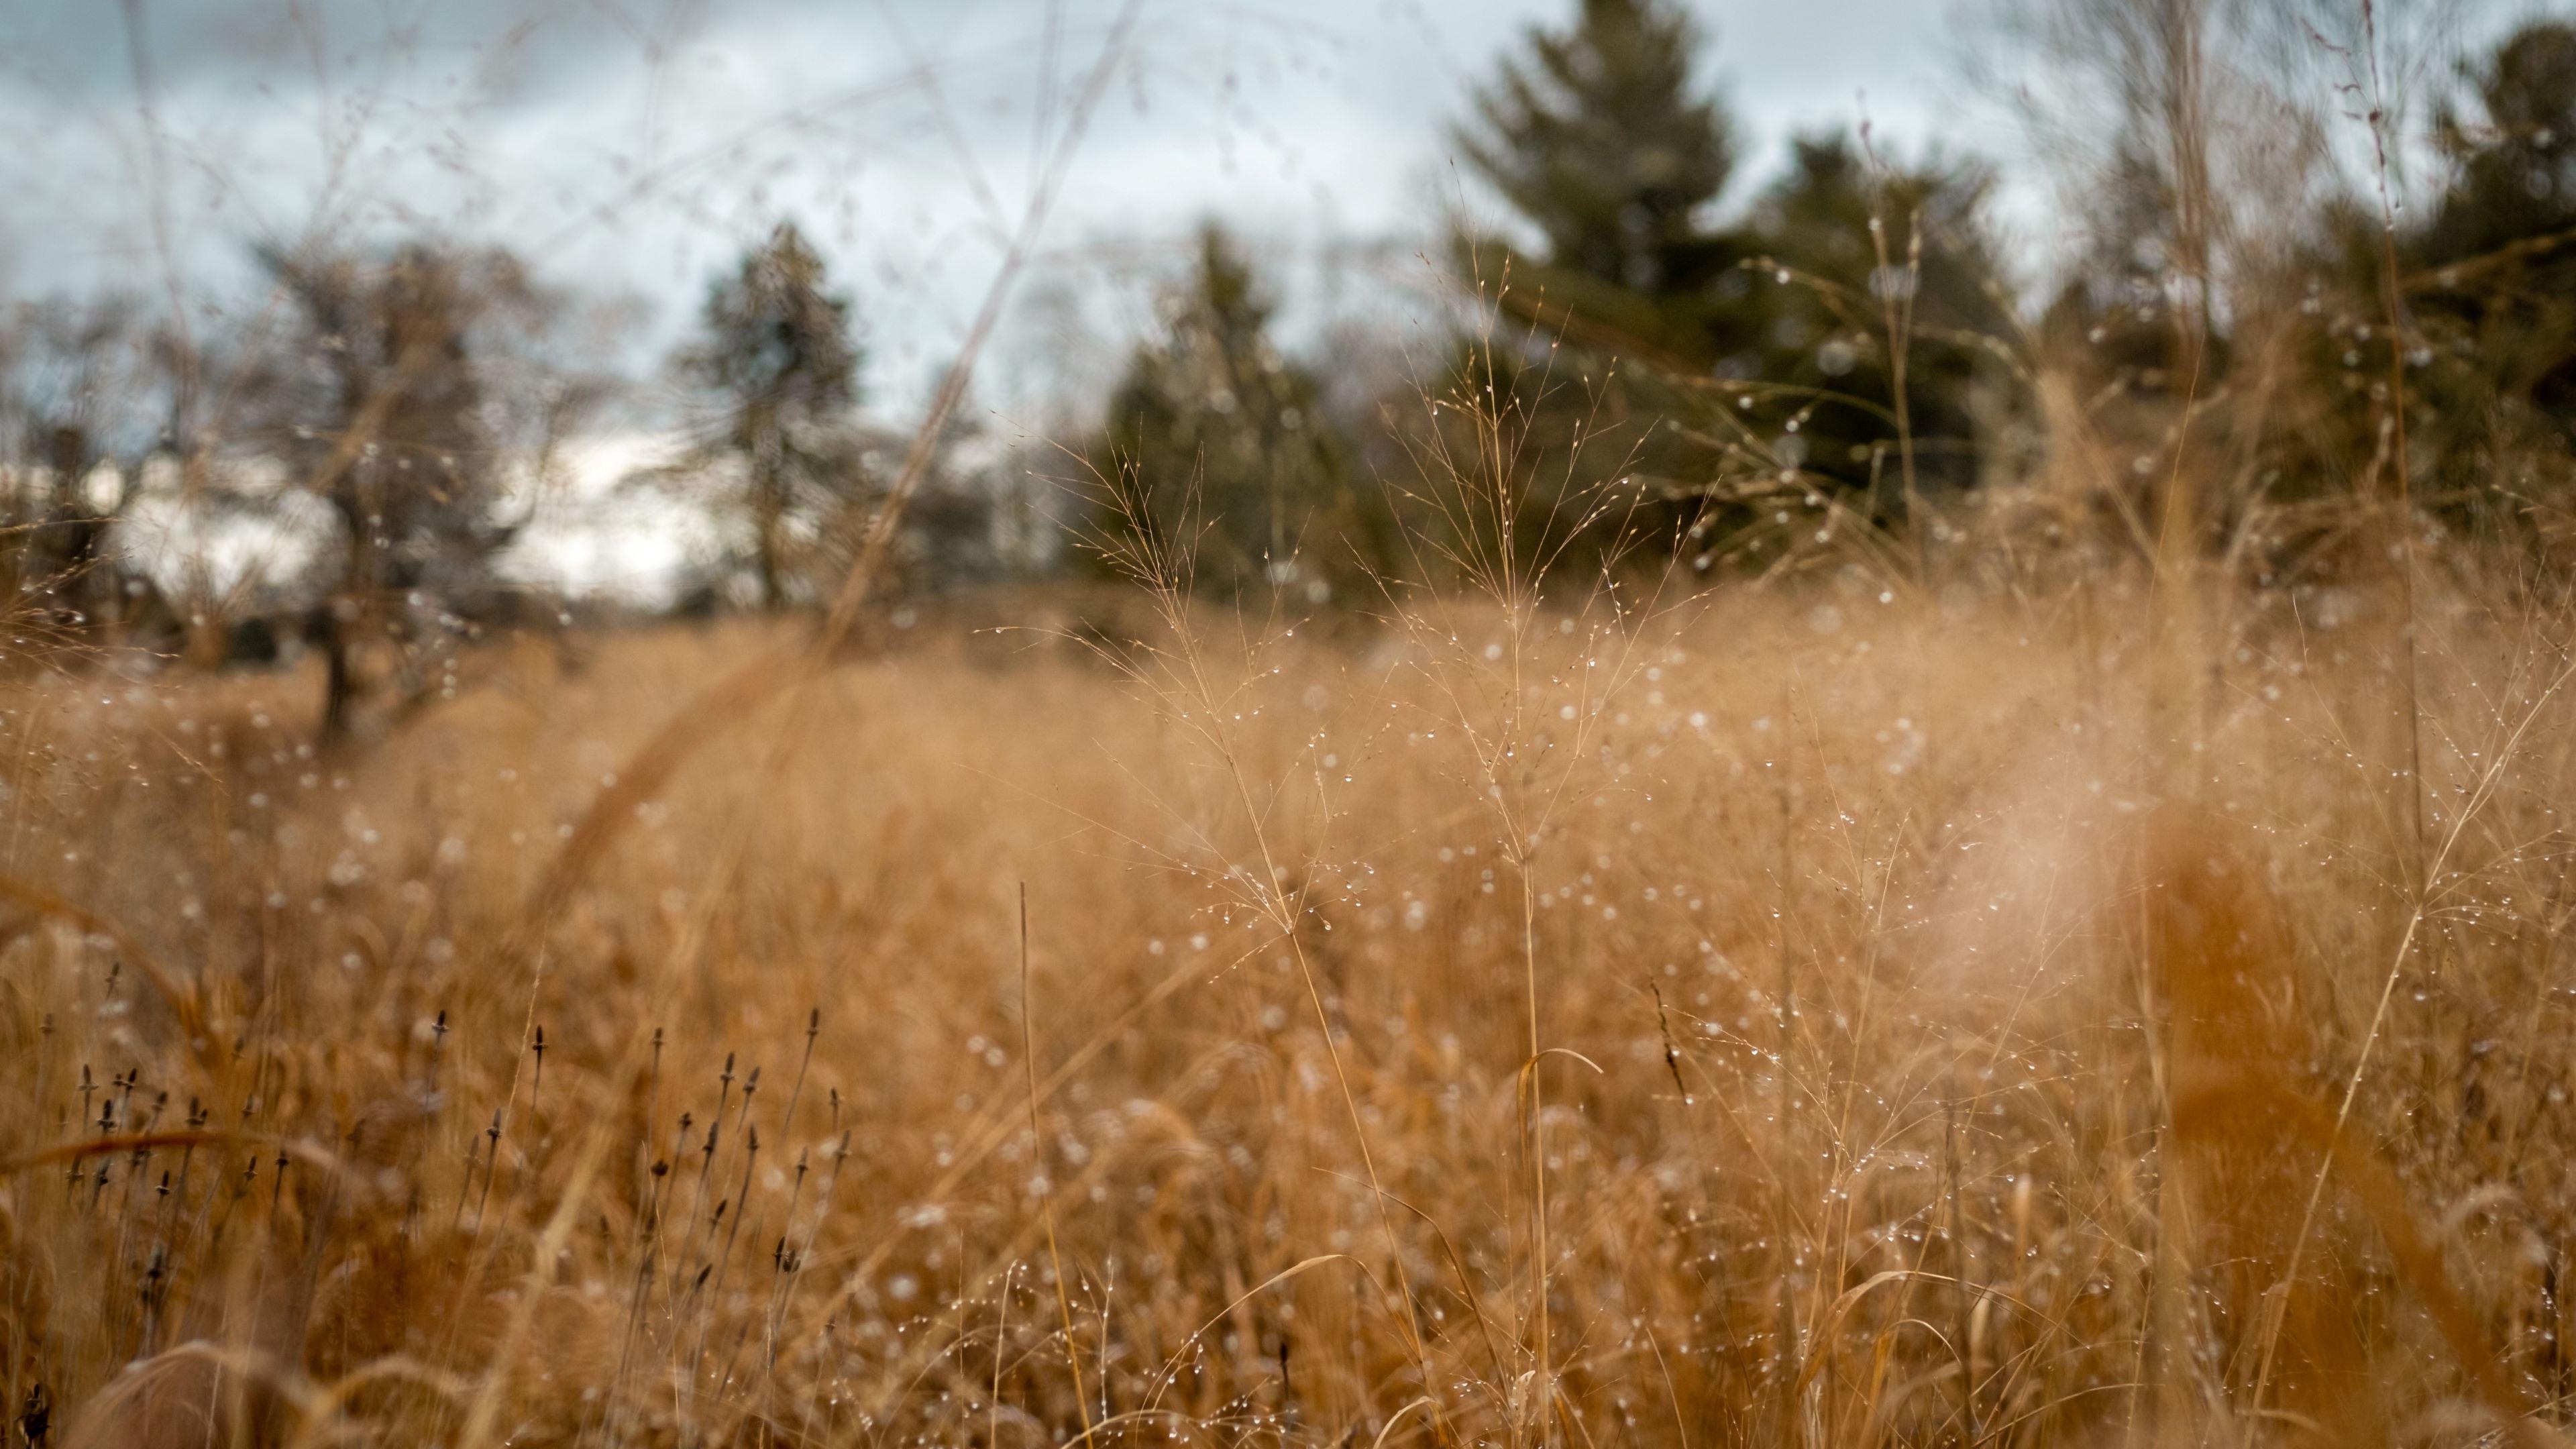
<point x="631" y="146"/>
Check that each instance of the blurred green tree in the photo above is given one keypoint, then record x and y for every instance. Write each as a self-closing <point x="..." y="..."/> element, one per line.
<point x="1221" y="458"/>
<point x="2512" y="197"/>
<point x="1600" y="140"/>
<point x="1822" y="355"/>
<point x="1611" y="154"/>
<point x="1878" y="315"/>
<point x="779" y="359"/>
<point x="2491" y="278"/>
<point x="2485" y="329"/>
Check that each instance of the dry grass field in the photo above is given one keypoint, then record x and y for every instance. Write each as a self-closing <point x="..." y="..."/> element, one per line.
<point x="1760" y="784"/>
<point x="1781" y="1015"/>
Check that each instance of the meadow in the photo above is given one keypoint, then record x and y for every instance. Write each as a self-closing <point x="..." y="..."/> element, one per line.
<point x="2108" y="1010"/>
<point x="1756" y="812"/>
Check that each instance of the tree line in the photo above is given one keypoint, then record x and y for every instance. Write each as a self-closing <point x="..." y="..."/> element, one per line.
<point x="1845" y="362"/>
<point x="1842" y="360"/>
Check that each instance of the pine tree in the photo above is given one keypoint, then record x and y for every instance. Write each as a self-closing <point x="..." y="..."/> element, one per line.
<point x="1876" y="257"/>
<point x="1220" y="447"/>
<point x="779" y="360"/>
<point x="2515" y="179"/>
<point x="1599" y="140"/>
<point x="2500" y="248"/>
<point x="2487" y="286"/>
<point x="1717" y="369"/>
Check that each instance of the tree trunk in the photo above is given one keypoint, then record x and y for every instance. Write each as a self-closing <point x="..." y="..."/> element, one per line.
<point x="768" y="510"/>
<point x="338" y="619"/>
<point x="339" y="678"/>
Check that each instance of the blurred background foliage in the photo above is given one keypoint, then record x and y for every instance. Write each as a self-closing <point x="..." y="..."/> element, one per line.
<point x="1677" y="360"/>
